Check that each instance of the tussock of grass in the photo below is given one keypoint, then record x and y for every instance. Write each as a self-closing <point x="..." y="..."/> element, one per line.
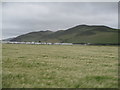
<point x="54" y="66"/>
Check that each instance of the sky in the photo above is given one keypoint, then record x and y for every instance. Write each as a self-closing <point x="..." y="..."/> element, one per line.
<point x="24" y="17"/>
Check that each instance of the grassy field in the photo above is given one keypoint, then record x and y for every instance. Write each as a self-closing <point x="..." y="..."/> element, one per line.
<point x="57" y="66"/>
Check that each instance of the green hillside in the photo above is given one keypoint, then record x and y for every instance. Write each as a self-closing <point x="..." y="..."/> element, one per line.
<point x="78" y="34"/>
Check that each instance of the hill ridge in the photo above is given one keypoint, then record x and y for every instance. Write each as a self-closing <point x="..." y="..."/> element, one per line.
<point x="77" y="34"/>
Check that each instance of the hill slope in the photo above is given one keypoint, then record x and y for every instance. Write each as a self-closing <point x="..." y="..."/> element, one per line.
<point x="77" y="34"/>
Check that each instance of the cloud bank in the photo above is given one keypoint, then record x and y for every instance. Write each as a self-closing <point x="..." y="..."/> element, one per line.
<point x="23" y="17"/>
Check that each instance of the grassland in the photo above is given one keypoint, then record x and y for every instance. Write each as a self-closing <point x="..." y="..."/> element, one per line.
<point x="57" y="66"/>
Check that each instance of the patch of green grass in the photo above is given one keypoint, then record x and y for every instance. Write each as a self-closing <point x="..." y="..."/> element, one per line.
<point x="57" y="66"/>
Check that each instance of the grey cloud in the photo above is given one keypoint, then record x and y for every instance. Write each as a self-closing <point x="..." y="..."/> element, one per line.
<point x="19" y="18"/>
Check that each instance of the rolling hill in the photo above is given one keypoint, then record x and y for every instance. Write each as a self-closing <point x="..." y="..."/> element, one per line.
<point x="79" y="34"/>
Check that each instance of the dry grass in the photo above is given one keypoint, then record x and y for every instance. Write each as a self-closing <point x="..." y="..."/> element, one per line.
<point x="56" y="66"/>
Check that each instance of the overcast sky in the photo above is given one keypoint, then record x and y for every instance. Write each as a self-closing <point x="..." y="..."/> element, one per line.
<point x="20" y="18"/>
